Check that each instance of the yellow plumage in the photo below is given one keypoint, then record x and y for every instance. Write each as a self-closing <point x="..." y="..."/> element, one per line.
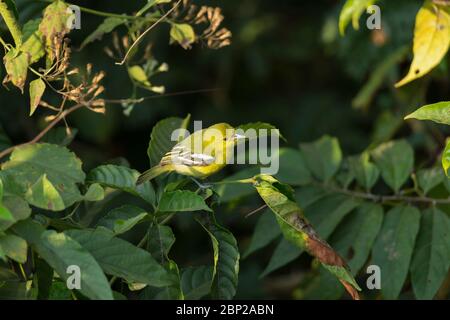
<point x="199" y="155"/>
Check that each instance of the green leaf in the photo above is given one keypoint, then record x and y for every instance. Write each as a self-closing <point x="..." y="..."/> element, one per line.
<point x="60" y="166"/>
<point x="266" y="230"/>
<point x="354" y="237"/>
<point x="95" y="192"/>
<point x="326" y="214"/>
<point x="226" y="262"/>
<point x="122" y="178"/>
<point x="431" y="40"/>
<point x="284" y="253"/>
<point x="430" y="178"/>
<point x="446" y="158"/>
<point x="122" y="219"/>
<point x="107" y="26"/>
<point x="161" y="140"/>
<point x="352" y="11"/>
<point x="394" y="246"/>
<point x="170" y="292"/>
<point x="366" y="173"/>
<point x="299" y="231"/>
<point x="37" y="89"/>
<point x="14" y="247"/>
<point x="234" y="191"/>
<point x="120" y="258"/>
<point x="60" y="251"/>
<point x="183" y="34"/>
<point x="29" y="28"/>
<point x="43" y="194"/>
<point x="395" y="159"/>
<point x="196" y="282"/>
<point x="437" y="112"/>
<point x="431" y="259"/>
<point x="181" y="201"/>
<point x="260" y="129"/>
<point x="293" y="168"/>
<point x="160" y="241"/>
<point x="17" y="207"/>
<point x="323" y="157"/>
<point x="16" y="65"/>
<point x="307" y="195"/>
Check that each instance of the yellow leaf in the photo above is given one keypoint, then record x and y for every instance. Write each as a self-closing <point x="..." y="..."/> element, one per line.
<point x="431" y="40"/>
<point x="37" y="88"/>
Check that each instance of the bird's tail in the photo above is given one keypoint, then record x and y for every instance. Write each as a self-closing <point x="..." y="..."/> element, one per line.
<point x="152" y="173"/>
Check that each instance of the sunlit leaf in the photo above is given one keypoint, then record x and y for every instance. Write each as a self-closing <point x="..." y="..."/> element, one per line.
<point x="37" y="88"/>
<point x="437" y="112"/>
<point x="431" y="40"/>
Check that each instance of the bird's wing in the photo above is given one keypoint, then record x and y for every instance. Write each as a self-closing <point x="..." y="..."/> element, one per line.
<point x="182" y="155"/>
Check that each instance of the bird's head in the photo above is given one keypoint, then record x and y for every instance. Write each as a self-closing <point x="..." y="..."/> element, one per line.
<point x="229" y="134"/>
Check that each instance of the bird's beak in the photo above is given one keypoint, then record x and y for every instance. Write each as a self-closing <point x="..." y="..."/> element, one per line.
<point x="238" y="137"/>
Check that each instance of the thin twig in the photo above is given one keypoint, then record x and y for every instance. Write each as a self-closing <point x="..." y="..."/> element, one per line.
<point x="256" y="210"/>
<point x="387" y="198"/>
<point x="39" y="136"/>
<point x="148" y="30"/>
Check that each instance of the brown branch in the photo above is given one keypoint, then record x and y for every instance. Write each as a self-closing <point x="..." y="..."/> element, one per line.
<point x="387" y="198"/>
<point x="38" y="137"/>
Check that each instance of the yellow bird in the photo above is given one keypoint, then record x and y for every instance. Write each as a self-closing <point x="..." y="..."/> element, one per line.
<point x="199" y="155"/>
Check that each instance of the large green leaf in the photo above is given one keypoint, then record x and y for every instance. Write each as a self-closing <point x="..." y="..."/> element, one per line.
<point x="160" y="241"/>
<point x="122" y="219"/>
<point x="226" y="261"/>
<point x="326" y="214"/>
<point x="181" y="200"/>
<point x="280" y="199"/>
<point x="120" y="258"/>
<point x="395" y="159"/>
<point x="293" y="168"/>
<point x="437" y="112"/>
<point x="259" y="129"/>
<point x="60" y="166"/>
<point x="60" y="251"/>
<point x="323" y="157"/>
<point x="266" y="230"/>
<point x="394" y="246"/>
<point x="430" y="178"/>
<point x="14" y="247"/>
<point x="354" y="237"/>
<point x="17" y="207"/>
<point x="122" y="178"/>
<point x="366" y="173"/>
<point x="431" y="259"/>
<point x="284" y="253"/>
<point x="234" y="191"/>
<point x="161" y="140"/>
<point x="196" y="282"/>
